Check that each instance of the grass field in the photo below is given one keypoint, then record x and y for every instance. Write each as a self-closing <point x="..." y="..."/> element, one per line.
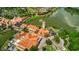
<point x="5" y="35"/>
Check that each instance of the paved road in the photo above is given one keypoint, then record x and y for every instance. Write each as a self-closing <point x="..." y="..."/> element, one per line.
<point x="42" y="43"/>
<point x="57" y="46"/>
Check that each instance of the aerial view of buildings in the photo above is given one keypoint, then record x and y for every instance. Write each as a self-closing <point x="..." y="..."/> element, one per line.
<point x="39" y="29"/>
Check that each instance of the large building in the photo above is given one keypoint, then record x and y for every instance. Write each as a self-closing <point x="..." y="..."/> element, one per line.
<point x="30" y="38"/>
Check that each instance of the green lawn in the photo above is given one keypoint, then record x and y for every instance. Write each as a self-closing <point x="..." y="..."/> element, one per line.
<point x="49" y="48"/>
<point x="5" y="35"/>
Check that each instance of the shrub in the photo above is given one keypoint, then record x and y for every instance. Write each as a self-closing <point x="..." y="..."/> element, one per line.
<point x="34" y="48"/>
<point x="48" y="42"/>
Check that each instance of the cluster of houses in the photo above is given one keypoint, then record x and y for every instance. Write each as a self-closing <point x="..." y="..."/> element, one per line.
<point x="31" y="37"/>
<point x="11" y="22"/>
<point x="4" y="22"/>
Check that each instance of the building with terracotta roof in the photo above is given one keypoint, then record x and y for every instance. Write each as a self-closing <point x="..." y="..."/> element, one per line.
<point x="43" y="31"/>
<point x="17" y="19"/>
<point x="13" y="22"/>
<point x="31" y="38"/>
<point x="27" y="40"/>
<point x="32" y="27"/>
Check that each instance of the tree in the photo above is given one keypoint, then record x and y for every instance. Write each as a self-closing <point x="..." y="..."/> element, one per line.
<point x="44" y="48"/>
<point x="34" y="48"/>
<point x="72" y="11"/>
<point x="56" y="38"/>
<point x="48" y="42"/>
<point x="26" y="49"/>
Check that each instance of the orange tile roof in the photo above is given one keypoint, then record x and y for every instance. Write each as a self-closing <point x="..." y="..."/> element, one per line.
<point x="23" y="42"/>
<point x="34" y="38"/>
<point x="33" y="27"/>
<point x="22" y="33"/>
<point x="29" y="40"/>
<point x="28" y="43"/>
<point x="26" y="36"/>
<point x="43" y="31"/>
<point x="17" y="19"/>
<point x="13" y="21"/>
<point x="17" y="36"/>
<point x="33" y="34"/>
